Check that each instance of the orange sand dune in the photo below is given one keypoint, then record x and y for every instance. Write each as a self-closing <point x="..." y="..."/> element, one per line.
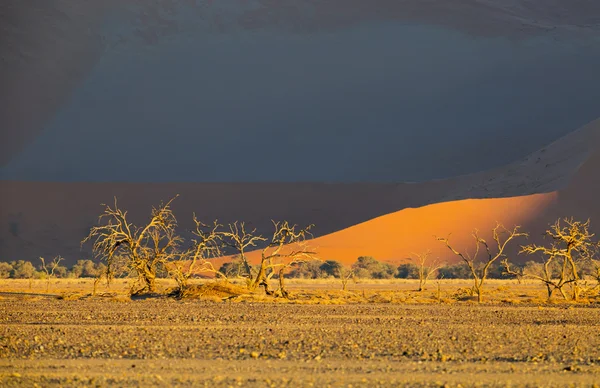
<point x="51" y="218"/>
<point x="397" y="236"/>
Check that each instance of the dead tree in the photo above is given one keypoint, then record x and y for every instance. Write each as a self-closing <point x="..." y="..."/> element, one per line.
<point x="547" y="276"/>
<point x="143" y="248"/>
<point x="345" y="275"/>
<point x="426" y="267"/>
<point x="479" y="268"/>
<point x="50" y="271"/>
<point x="287" y="246"/>
<point x="241" y="240"/>
<point x="206" y="245"/>
<point x="571" y="245"/>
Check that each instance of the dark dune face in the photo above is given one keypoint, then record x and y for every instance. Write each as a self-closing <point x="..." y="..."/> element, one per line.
<point x="326" y="91"/>
<point x="50" y="218"/>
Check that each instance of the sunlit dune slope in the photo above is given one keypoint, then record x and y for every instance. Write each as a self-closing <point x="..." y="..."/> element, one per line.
<point x="395" y="237"/>
<point x="50" y="218"/>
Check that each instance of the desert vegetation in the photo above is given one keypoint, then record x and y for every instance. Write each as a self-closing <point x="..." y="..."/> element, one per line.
<point x="229" y="306"/>
<point x="156" y="249"/>
<point x="479" y="268"/>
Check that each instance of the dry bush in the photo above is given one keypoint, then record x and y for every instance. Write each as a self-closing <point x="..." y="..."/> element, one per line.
<point x="241" y="239"/>
<point x="427" y="267"/>
<point x="144" y="248"/>
<point x="211" y="290"/>
<point x="479" y="268"/>
<point x="571" y="246"/>
<point x="49" y="269"/>
<point x="206" y="245"/>
<point x="286" y="246"/>
<point x="345" y="274"/>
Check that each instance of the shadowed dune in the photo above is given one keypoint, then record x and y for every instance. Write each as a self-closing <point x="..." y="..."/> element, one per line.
<point x="44" y="218"/>
<point x="48" y="48"/>
<point x="396" y="236"/>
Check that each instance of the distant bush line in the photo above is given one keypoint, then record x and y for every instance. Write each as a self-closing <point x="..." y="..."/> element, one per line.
<point x="22" y="269"/>
<point x="365" y="267"/>
<point x="156" y="249"/>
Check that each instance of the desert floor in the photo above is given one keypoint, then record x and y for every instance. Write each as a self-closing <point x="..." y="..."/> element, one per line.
<point x="377" y="333"/>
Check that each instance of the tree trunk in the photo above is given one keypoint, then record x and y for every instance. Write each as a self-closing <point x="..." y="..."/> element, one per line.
<point x="576" y="291"/>
<point x="478" y="291"/>
<point x="284" y="293"/>
<point x="246" y="265"/>
<point x="562" y="292"/>
<point x="265" y="284"/>
<point x="96" y="281"/>
<point x="151" y="283"/>
<point x="550" y="291"/>
<point x="261" y="278"/>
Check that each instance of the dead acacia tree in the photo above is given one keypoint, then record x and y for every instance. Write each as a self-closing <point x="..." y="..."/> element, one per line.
<point x="479" y="268"/>
<point x="570" y="246"/>
<point x="345" y="274"/>
<point x="547" y="275"/>
<point x="426" y="267"/>
<point x="144" y="248"/>
<point x="241" y="239"/>
<point x="287" y="246"/>
<point x="49" y="271"/>
<point x="206" y="245"/>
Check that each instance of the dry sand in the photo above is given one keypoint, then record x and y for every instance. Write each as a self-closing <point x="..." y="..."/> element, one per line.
<point x="48" y="219"/>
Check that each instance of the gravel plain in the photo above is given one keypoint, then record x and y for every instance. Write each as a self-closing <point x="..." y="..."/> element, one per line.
<point x="166" y="342"/>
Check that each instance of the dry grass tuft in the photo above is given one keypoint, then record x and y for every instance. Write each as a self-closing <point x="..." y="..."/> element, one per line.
<point x="213" y="291"/>
<point x="70" y="296"/>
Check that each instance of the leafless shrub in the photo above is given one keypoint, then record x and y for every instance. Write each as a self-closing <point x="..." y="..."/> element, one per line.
<point x="241" y="239"/>
<point x="427" y="267"/>
<point x="206" y="245"/>
<point x="479" y="269"/>
<point x="345" y="274"/>
<point x="571" y="245"/>
<point x="50" y="269"/>
<point x="287" y="246"/>
<point x="143" y="248"/>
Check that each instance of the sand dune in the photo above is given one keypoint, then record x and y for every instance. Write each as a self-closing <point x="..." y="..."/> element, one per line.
<point x="48" y="48"/>
<point x="395" y="237"/>
<point x="45" y="218"/>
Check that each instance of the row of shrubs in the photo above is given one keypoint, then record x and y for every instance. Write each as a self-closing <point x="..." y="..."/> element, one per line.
<point x="22" y="269"/>
<point x="365" y="267"/>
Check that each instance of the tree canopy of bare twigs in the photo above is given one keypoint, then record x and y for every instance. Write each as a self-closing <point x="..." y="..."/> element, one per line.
<point x="345" y="274"/>
<point x="144" y="248"/>
<point x="427" y="267"/>
<point x="206" y="245"/>
<point x="241" y="239"/>
<point x="287" y="246"/>
<point x="50" y="268"/>
<point x="571" y="245"/>
<point x="479" y="267"/>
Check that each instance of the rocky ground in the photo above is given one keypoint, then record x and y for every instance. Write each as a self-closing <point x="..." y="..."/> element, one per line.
<point x="162" y="341"/>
